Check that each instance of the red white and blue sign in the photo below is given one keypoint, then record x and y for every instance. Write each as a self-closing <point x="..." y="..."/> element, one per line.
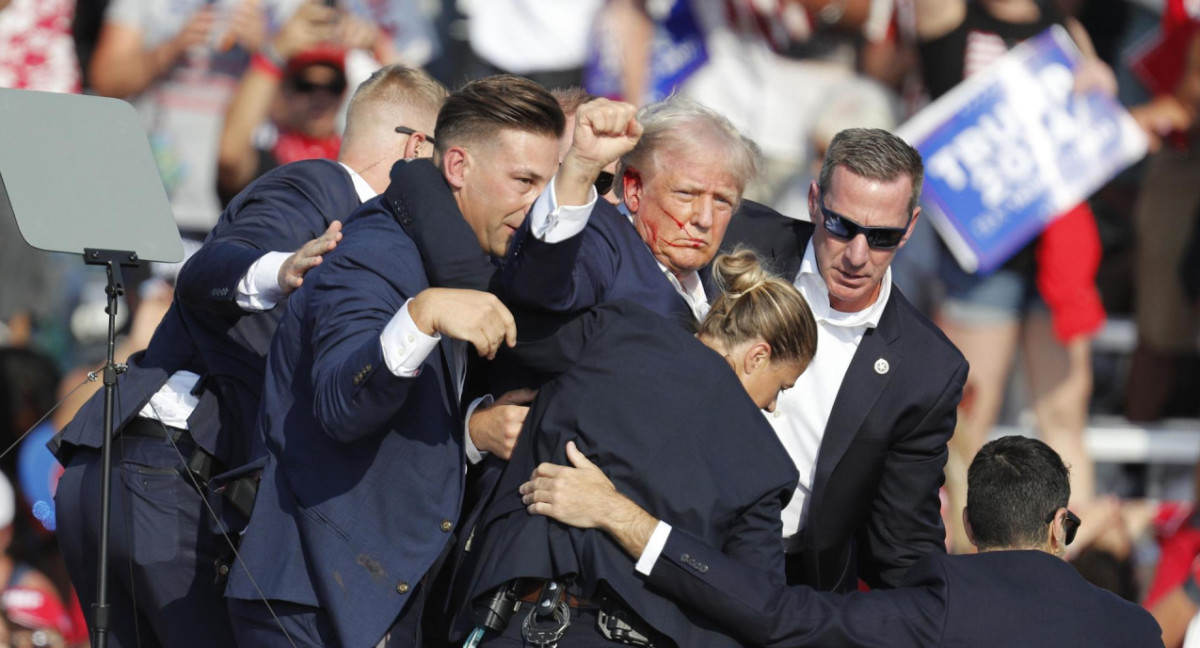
<point x="1014" y="146"/>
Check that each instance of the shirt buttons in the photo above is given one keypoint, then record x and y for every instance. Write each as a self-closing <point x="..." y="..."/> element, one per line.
<point x="777" y="413"/>
<point x="402" y="349"/>
<point x="411" y="338"/>
<point x="447" y="525"/>
<point x="402" y="588"/>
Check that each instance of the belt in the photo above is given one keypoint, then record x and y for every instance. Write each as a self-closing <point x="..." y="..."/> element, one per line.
<point x="530" y="591"/>
<point x="200" y="463"/>
<point x="150" y="429"/>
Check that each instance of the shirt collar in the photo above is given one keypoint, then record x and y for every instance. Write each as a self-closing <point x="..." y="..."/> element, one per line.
<point x="816" y="293"/>
<point x="364" y="190"/>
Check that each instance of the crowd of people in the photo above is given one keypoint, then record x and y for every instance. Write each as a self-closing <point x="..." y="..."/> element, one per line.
<point x="458" y="361"/>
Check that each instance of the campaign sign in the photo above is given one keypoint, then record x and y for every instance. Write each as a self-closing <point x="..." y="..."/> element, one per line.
<point x="678" y="50"/>
<point x="1014" y="146"/>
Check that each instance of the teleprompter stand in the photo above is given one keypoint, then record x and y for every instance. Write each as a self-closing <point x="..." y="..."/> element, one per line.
<point x="77" y="174"/>
<point x="113" y="261"/>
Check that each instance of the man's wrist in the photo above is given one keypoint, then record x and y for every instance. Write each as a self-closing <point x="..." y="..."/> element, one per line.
<point x="628" y="524"/>
<point x="473" y="452"/>
<point x="574" y="181"/>
<point x="653" y="548"/>
<point x="271" y="51"/>
<point x="420" y="317"/>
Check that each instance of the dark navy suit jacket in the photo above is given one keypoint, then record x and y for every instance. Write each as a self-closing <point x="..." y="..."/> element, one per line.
<point x="874" y="504"/>
<point x="605" y="262"/>
<point x="999" y="599"/>
<point x="205" y="331"/>
<point x="669" y="422"/>
<point x="364" y="475"/>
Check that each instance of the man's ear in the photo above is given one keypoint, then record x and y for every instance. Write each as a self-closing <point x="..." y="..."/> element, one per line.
<point x="813" y="207"/>
<point x="912" y="224"/>
<point x="456" y="165"/>
<point x="413" y="146"/>
<point x="631" y="189"/>
<point x="966" y="521"/>
<point x="1057" y="535"/>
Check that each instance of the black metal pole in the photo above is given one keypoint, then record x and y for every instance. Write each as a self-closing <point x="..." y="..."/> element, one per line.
<point x="101" y="608"/>
<point x="112" y="261"/>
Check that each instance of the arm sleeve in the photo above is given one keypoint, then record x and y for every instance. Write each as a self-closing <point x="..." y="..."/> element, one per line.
<point x="259" y="289"/>
<point x="756" y="609"/>
<point x="350" y="305"/>
<point x="654" y="548"/>
<point x="754" y="538"/>
<point x="553" y="224"/>
<point x="474" y="454"/>
<point x="404" y="346"/>
<point x="905" y="521"/>
<point x="563" y="277"/>
<point x="279" y="217"/>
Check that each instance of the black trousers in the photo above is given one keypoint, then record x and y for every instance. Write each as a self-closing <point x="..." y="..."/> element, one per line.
<point x="291" y="625"/>
<point x="163" y="549"/>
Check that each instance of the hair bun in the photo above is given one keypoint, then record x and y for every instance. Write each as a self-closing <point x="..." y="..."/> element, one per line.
<point x="739" y="272"/>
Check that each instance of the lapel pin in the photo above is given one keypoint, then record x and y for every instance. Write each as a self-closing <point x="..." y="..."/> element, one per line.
<point x="882" y="366"/>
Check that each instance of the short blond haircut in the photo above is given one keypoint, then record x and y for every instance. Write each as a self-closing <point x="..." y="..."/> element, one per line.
<point x="397" y="87"/>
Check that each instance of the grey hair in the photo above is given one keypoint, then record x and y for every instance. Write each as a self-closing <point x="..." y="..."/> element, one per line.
<point x="677" y="122"/>
<point x="874" y="154"/>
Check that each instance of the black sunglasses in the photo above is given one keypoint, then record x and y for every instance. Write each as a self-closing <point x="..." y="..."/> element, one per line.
<point x="880" y="238"/>
<point x="304" y="86"/>
<point x="408" y="131"/>
<point x="1070" y="524"/>
<point x="604" y="182"/>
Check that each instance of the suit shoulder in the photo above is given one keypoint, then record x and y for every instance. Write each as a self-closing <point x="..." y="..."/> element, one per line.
<point x="304" y="171"/>
<point x="609" y="222"/>
<point x="318" y="180"/>
<point x="925" y="333"/>
<point x="1134" y="621"/>
<point x="372" y="236"/>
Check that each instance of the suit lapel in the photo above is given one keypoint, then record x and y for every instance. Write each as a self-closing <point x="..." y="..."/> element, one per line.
<point x="870" y="371"/>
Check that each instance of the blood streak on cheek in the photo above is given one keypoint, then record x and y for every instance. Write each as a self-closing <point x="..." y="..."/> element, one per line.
<point x="681" y="223"/>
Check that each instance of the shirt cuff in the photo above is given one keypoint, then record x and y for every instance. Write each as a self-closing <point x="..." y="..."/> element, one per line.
<point x="654" y="548"/>
<point x="259" y="289"/>
<point x="405" y="347"/>
<point x="552" y="223"/>
<point x="474" y="455"/>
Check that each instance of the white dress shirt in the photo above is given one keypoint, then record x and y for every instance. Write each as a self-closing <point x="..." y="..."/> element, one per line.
<point x="802" y="412"/>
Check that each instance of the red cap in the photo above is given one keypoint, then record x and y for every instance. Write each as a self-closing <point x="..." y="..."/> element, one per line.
<point x="33" y="609"/>
<point x="324" y="54"/>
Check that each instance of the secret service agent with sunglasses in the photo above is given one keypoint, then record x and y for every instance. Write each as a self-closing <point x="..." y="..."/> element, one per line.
<point x="868" y="421"/>
<point x="1017" y="591"/>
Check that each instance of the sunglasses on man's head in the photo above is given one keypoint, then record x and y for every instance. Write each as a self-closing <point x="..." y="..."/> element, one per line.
<point x="304" y="86"/>
<point x="880" y="238"/>
<point x="408" y="131"/>
<point x="1070" y="524"/>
